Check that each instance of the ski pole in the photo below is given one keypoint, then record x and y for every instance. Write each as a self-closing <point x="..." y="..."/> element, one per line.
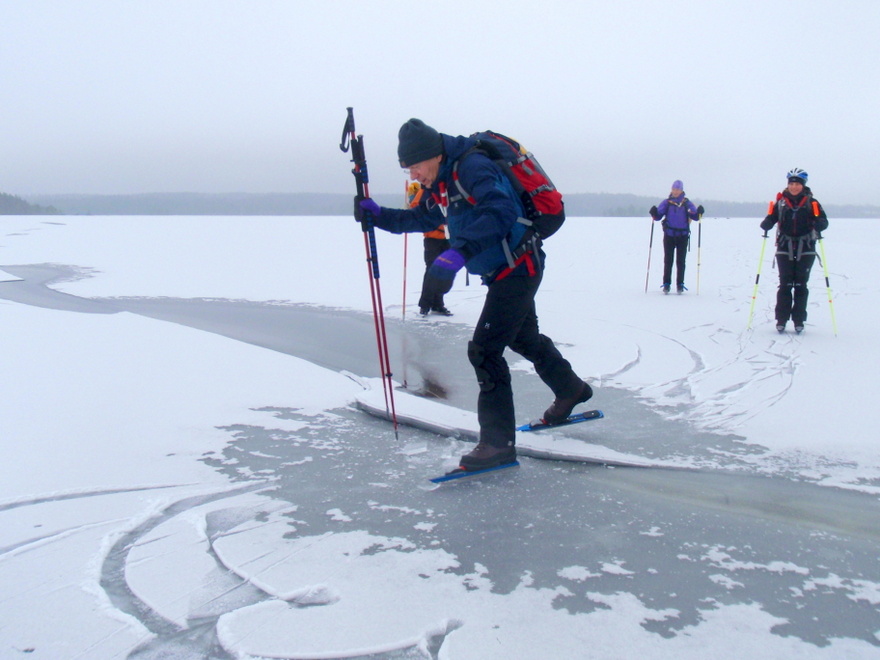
<point x="757" y="279"/>
<point x="650" y="245"/>
<point x="827" y="285"/>
<point x="362" y="183"/>
<point x="699" y="245"/>
<point x="405" y="254"/>
<point x="405" y="341"/>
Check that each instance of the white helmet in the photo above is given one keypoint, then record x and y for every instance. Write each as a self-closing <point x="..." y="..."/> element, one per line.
<point x="799" y="174"/>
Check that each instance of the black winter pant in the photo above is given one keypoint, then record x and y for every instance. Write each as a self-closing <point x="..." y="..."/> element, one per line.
<point x="434" y="247"/>
<point x="674" y="247"/>
<point x="509" y="319"/>
<point x="791" y="298"/>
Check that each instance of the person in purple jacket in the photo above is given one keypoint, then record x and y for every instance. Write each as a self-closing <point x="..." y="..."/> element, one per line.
<point x="678" y="211"/>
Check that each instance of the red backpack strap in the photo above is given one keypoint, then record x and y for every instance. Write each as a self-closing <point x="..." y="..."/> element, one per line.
<point x="462" y="192"/>
<point x="524" y="258"/>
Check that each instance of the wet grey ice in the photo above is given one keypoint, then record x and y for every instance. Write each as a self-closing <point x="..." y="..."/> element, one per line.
<point x="678" y="540"/>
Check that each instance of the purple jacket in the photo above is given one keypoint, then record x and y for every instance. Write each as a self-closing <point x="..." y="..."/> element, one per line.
<point x="677" y="211"/>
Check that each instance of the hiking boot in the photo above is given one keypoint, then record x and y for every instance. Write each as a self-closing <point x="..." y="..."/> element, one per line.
<point x="442" y="311"/>
<point x="798" y="328"/>
<point x="666" y="288"/>
<point x="560" y="409"/>
<point x="682" y="288"/>
<point x="424" y="311"/>
<point x="780" y="327"/>
<point x="486" y="456"/>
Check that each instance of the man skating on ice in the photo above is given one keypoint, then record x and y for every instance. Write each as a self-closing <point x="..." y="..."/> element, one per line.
<point x="480" y="230"/>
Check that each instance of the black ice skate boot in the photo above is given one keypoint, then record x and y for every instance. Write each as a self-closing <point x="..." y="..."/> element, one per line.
<point x="486" y="456"/>
<point x="560" y="409"/>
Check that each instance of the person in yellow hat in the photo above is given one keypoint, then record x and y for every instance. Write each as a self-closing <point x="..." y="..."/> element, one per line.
<point x="435" y="242"/>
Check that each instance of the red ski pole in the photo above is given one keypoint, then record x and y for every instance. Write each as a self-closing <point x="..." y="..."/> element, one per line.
<point x="362" y="181"/>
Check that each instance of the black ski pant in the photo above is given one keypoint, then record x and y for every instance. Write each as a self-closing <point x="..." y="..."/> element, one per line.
<point x="509" y="319"/>
<point x="791" y="298"/>
<point x="434" y="247"/>
<point x="674" y="247"/>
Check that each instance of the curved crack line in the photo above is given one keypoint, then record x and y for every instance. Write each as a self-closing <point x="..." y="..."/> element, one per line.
<point x="61" y="534"/>
<point x="112" y="575"/>
<point x="60" y="497"/>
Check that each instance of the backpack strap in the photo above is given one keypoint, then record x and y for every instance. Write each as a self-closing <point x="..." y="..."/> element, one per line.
<point x="462" y="193"/>
<point x="527" y="258"/>
<point x="530" y="242"/>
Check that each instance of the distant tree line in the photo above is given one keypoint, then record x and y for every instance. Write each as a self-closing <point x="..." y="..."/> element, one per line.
<point x="578" y="204"/>
<point x="12" y="205"/>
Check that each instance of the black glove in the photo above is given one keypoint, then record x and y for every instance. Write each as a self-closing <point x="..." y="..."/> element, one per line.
<point x="438" y="280"/>
<point x="654" y="213"/>
<point x="700" y="210"/>
<point x="361" y="205"/>
<point x="432" y="287"/>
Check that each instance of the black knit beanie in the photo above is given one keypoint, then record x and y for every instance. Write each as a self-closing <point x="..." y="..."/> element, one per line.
<point x="416" y="141"/>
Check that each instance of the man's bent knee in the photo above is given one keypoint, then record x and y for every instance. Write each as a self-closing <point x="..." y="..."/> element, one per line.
<point x="477" y="358"/>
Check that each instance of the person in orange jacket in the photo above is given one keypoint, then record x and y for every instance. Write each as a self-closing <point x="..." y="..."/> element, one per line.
<point x="436" y="242"/>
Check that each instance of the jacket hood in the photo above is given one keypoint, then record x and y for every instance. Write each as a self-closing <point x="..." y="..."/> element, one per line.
<point x="453" y="148"/>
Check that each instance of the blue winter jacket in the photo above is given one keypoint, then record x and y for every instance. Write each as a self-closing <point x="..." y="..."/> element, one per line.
<point x="677" y="211"/>
<point x="476" y="230"/>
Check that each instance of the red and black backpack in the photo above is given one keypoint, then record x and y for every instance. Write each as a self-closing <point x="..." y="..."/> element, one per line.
<point x="545" y="212"/>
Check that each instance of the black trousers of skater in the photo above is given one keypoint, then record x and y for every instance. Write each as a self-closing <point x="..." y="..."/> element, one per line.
<point x="434" y="247"/>
<point x="509" y="319"/>
<point x="791" y="298"/>
<point x="674" y="247"/>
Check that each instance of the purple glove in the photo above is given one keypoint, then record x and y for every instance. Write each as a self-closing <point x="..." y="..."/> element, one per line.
<point x="446" y="265"/>
<point x="361" y="205"/>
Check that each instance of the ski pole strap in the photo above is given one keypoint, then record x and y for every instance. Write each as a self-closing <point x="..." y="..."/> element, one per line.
<point x="347" y="131"/>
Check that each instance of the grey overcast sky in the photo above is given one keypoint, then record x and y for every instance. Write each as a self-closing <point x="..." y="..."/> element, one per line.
<point x="130" y="96"/>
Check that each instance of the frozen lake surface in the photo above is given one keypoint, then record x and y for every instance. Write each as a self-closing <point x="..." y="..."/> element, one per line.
<point x="289" y="524"/>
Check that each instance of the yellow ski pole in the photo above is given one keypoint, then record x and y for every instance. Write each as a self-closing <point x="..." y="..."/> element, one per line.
<point x="827" y="285"/>
<point x="757" y="279"/>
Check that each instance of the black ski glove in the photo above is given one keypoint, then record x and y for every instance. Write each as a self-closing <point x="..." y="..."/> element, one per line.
<point x="434" y="287"/>
<point x="700" y="210"/>
<point x="654" y="213"/>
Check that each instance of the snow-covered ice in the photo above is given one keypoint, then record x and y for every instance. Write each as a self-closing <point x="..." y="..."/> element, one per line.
<point x="168" y="489"/>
